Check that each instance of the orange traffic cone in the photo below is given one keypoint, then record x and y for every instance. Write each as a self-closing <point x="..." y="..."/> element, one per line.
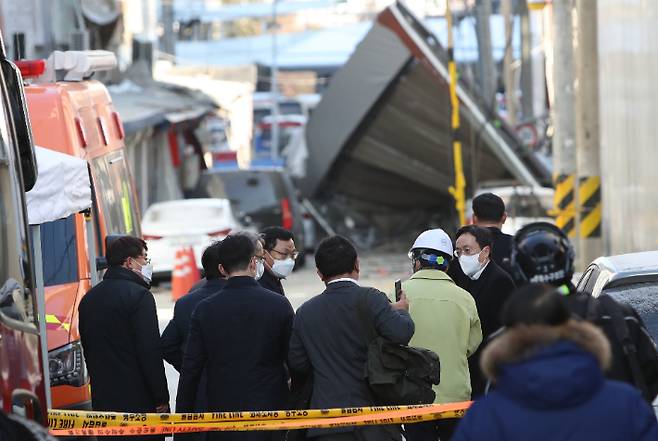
<point x="185" y="273"/>
<point x="196" y="275"/>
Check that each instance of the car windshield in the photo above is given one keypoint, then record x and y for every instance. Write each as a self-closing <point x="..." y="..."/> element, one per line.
<point x="249" y="192"/>
<point x="644" y="298"/>
<point x="264" y="141"/>
<point x="525" y="205"/>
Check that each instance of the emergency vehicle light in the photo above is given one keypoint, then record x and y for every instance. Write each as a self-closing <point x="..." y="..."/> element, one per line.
<point x="31" y="68"/>
<point x="77" y="65"/>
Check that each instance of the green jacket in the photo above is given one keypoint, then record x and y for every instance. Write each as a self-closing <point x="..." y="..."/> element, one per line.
<point x="447" y="322"/>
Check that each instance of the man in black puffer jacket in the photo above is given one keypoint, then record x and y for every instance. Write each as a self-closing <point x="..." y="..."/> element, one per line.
<point x="120" y="336"/>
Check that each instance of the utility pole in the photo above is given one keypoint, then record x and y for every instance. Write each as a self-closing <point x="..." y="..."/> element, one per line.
<point x="458" y="190"/>
<point x="486" y="68"/>
<point x="563" y="115"/>
<point x="508" y="61"/>
<point x="168" y="39"/>
<point x="526" y="63"/>
<point x="587" y="132"/>
<point x="47" y="29"/>
<point x="274" y="89"/>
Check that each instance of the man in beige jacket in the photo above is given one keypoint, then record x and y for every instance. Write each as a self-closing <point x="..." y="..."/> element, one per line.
<point x="446" y="321"/>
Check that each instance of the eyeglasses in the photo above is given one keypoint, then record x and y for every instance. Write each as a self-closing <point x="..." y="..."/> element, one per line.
<point x="261" y="257"/>
<point x="466" y="251"/>
<point x="293" y="254"/>
<point x="146" y="259"/>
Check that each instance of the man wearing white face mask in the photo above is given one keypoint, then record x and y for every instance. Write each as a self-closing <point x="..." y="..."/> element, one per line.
<point x="447" y="323"/>
<point x="487" y="282"/>
<point x="280" y="256"/>
<point x="120" y="336"/>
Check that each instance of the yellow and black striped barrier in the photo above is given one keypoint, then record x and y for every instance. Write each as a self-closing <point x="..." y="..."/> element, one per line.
<point x="589" y="196"/>
<point x="83" y="423"/>
<point x="565" y="203"/>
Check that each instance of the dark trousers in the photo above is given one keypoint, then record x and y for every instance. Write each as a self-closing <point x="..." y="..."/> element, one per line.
<point x="431" y="430"/>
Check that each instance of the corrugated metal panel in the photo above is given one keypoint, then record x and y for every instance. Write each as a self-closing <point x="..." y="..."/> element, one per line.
<point x="382" y="133"/>
<point x="628" y="46"/>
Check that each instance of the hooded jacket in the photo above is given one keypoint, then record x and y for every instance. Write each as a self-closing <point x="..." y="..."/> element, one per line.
<point x="550" y="386"/>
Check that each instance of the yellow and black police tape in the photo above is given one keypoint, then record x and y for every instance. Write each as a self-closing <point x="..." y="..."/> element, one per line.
<point x="84" y="423"/>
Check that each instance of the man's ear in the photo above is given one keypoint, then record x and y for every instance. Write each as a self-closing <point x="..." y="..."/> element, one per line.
<point x="319" y="274"/>
<point x="488" y="248"/>
<point x="222" y="271"/>
<point x="357" y="266"/>
<point x="126" y="263"/>
<point x="504" y="218"/>
<point x="475" y="219"/>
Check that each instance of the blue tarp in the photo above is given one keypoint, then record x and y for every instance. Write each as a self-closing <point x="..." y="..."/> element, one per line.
<point x="205" y="12"/>
<point x="331" y="47"/>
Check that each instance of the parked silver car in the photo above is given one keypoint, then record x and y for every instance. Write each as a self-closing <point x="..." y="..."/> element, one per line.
<point x="628" y="278"/>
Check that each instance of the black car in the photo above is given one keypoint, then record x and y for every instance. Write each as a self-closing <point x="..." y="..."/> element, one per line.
<point x="260" y="198"/>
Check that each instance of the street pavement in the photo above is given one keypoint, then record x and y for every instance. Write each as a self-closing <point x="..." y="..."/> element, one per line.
<point x="377" y="270"/>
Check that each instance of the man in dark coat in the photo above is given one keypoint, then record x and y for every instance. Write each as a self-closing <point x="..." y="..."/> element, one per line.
<point x="280" y="255"/>
<point x="329" y="340"/>
<point x="489" y="285"/>
<point x="120" y="336"/>
<point x="489" y="212"/>
<point x="175" y="334"/>
<point x="240" y="336"/>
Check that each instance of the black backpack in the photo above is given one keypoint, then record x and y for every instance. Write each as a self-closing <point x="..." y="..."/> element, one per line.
<point x="607" y="305"/>
<point x="397" y="374"/>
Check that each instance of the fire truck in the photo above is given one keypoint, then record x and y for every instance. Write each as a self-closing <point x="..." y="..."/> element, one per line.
<point x="22" y="334"/>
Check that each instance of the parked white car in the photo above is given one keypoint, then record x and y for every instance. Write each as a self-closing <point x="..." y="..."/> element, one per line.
<point x="197" y="223"/>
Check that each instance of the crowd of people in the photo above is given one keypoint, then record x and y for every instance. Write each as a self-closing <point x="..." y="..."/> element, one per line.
<point x="541" y="360"/>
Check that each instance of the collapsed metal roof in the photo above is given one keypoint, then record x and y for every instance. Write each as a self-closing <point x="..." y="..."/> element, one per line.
<point x="381" y="134"/>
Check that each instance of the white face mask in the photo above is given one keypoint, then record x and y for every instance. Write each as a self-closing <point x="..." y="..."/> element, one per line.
<point x="146" y="271"/>
<point x="260" y="269"/>
<point x="470" y="264"/>
<point x="283" y="268"/>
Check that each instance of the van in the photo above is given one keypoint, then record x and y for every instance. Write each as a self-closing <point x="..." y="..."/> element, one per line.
<point x="523" y="204"/>
<point x="22" y="384"/>
<point x="74" y="115"/>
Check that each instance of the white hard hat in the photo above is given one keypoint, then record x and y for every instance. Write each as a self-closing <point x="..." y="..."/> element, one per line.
<point x="436" y="239"/>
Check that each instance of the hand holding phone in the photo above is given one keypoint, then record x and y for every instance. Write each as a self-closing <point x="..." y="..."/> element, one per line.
<point x="401" y="302"/>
